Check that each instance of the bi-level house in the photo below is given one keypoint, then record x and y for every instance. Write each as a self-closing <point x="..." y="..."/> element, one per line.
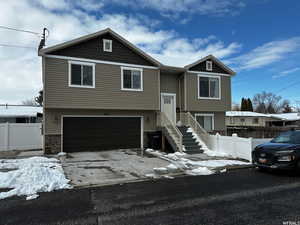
<point x="101" y="92"/>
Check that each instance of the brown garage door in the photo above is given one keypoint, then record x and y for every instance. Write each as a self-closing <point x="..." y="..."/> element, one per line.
<point x="101" y="133"/>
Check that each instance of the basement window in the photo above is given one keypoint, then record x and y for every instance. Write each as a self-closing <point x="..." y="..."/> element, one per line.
<point x="209" y="65"/>
<point x="107" y="45"/>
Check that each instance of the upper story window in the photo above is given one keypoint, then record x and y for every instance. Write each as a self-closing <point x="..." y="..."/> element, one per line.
<point x="81" y="74"/>
<point x="255" y="120"/>
<point x="131" y="79"/>
<point x="209" y="65"/>
<point x="209" y="87"/>
<point x="107" y="45"/>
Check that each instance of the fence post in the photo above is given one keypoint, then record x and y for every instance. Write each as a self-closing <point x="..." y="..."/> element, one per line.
<point x="235" y="136"/>
<point x="6" y="131"/>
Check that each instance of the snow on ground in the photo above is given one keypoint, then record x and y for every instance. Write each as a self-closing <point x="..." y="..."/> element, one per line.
<point x="178" y="163"/>
<point x="30" y="176"/>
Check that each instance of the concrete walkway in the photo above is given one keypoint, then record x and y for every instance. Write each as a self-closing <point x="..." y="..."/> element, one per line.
<point x="108" y="167"/>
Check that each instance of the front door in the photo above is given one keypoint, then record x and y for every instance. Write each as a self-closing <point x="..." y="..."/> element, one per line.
<point x="168" y="106"/>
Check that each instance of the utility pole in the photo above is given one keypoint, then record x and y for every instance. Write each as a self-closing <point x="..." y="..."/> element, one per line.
<point x="43" y="40"/>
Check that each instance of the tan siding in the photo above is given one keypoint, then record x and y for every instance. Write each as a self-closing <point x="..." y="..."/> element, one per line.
<point x="169" y="84"/>
<point x="53" y="117"/>
<point x="195" y="104"/>
<point x="106" y="95"/>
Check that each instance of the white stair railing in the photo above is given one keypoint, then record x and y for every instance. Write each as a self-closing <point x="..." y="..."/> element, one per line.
<point x="173" y="131"/>
<point x="187" y="119"/>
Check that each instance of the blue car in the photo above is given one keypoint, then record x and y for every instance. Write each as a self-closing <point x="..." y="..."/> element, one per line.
<point x="283" y="152"/>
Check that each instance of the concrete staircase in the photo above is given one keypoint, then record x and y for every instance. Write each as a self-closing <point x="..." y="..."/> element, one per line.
<point x="190" y="143"/>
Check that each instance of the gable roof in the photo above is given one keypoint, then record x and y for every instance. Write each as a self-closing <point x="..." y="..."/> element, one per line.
<point x="140" y="52"/>
<point x="93" y="35"/>
<point x="211" y="57"/>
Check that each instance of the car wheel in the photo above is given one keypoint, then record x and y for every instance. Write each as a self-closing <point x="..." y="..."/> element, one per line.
<point x="262" y="169"/>
<point x="298" y="167"/>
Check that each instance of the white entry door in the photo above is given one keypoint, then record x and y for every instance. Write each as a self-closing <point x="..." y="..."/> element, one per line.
<point x="168" y="106"/>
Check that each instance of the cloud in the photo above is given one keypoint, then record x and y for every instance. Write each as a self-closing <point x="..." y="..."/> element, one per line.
<point x="266" y="54"/>
<point x="286" y="72"/>
<point x="20" y="73"/>
<point x="175" y="9"/>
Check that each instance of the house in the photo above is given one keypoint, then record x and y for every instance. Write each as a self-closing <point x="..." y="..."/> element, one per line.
<point x="101" y="92"/>
<point x="251" y="119"/>
<point x="254" y="119"/>
<point x="20" y="114"/>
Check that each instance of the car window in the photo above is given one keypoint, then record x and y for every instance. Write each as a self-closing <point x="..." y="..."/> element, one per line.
<point x="296" y="137"/>
<point x="285" y="137"/>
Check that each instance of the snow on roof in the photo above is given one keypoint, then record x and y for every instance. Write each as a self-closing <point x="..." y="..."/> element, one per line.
<point x="288" y="116"/>
<point x="19" y="111"/>
<point x="246" y="113"/>
<point x="282" y="116"/>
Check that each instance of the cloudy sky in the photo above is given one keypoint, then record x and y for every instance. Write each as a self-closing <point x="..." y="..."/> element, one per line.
<point x="260" y="39"/>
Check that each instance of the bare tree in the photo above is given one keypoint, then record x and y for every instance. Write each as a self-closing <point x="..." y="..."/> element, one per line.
<point x="269" y="103"/>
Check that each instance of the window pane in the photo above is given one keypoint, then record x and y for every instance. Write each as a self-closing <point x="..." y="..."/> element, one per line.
<point x="204" y="87"/>
<point x="214" y="87"/>
<point x="107" y="45"/>
<point x="200" y="120"/>
<point x="76" y="74"/>
<point x="126" y="79"/>
<point x="87" y="78"/>
<point x="208" y="123"/>
<point x="136" y="79"/>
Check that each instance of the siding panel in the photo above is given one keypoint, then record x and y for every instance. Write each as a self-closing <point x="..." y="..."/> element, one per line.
<point x="195" y="104"/>
<point x="93" y="49"/>
<point x="107" y="93"/>
<point x="202" y="68"/>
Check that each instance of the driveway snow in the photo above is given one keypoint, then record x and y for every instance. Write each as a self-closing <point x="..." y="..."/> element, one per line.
<point x="30" y="176"/>
<point x="180" y="163"/>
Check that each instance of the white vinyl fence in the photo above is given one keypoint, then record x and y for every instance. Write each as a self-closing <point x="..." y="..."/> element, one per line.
<point x="235" y="146"/>
<point x="20" y="136"/>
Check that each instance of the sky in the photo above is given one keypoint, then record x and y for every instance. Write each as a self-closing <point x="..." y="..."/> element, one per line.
<point x="259" y="39"/>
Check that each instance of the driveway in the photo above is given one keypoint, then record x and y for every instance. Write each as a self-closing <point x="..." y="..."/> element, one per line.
<point x="108" y="167"/>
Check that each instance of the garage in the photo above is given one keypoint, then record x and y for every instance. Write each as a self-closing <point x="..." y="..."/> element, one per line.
<point x="99" y="133"/>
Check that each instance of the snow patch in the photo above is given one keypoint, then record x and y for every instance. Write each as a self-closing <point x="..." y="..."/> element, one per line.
<point x="30" y="176"/>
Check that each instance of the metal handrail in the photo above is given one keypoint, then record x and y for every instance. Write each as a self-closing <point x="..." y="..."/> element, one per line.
<point x="172" y="129"/>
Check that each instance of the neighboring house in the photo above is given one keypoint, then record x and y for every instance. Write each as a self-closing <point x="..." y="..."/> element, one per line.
<point x="254" y="119"/>
<point x="250" y="119"/>
<point x="20" y="114"/>
<point x="101" y="92"/>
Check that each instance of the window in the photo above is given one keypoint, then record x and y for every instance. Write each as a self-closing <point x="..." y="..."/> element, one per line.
<point x="242" y="120"/>
<point x="209" y="65"/>
<point x="107" y="45"/>
<point x="255" y="120"/>
<point x="206" y="121"/>
<point x="208" y="87"/>
<point x="232" y="120"/>
<point x="81" y="74"/>
<point x="132" y="79"/>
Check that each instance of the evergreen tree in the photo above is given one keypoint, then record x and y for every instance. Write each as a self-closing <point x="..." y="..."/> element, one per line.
<point x="250" y="106"/>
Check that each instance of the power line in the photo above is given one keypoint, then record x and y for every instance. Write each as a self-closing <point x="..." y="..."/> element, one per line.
<point x="20" y="30"/>
<point x="291" y="85"/>
<point x="16" y="46"/>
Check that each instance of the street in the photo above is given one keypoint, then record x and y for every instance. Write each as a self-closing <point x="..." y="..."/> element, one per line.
<point x="243" y="196"/>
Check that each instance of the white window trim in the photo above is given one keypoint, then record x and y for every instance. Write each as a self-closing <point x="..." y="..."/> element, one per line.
<point x="207" y="114"/>
<point x="84" y="64"/>
<point x="131" y="89"/>
<point x="210" y="98"/>
<point x="110" y="44"/>
<point x="209" y="65"/>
